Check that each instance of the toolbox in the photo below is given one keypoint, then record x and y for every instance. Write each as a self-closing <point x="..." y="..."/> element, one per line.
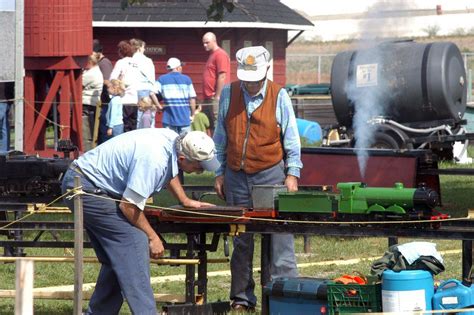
<point x="265" y="196"/>
<point x="297" y="296"/>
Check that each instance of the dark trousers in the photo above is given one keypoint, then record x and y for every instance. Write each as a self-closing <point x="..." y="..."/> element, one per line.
<point x="121" y="248"/>
<point x="238" y="190"/>
<point x="210" y="108"/>
<point x="129" y="117"/>
<point x="88" y="123"/>
<point x="102" y="137"/>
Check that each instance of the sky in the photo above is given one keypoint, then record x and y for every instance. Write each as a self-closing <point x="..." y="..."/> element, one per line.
<point x="378" y="24"/>
<point x="324" y="7"/>
<point x="7" y="5"/>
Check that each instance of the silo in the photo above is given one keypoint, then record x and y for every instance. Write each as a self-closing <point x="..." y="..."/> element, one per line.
<point x="58" y="39"/>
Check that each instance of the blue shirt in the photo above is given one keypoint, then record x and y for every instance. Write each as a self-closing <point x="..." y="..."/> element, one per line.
<point x="176" y="90"/>
<point x="135" y="163"/>
<point x="114" y="115"/>
<point x="285" y="117"/>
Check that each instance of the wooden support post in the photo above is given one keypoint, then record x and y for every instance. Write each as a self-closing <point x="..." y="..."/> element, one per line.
<point x="24" y="287"/>
<point x="307" y="244"/>
<point x="265" y="276"/>
<point x="78" y="249"/>
<point x="466" y="259"/>
<point x="392" y="240"/>
<point x="95" y="134"/>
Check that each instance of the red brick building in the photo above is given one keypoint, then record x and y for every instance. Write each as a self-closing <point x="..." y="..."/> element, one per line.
<point x="175" y="29"/>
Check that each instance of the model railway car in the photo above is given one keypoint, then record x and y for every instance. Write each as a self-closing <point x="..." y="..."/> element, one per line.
<point x="356" y="200"/>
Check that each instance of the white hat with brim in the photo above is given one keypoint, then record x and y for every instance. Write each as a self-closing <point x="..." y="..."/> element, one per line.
<point x="252" y="63"/>
<point x="210" y="165"/>
<point x="198" y="146"/>
<point x="173" y="63"/>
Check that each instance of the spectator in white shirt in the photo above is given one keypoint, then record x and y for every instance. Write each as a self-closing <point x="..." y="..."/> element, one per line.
<point x="92" y="84"/>
<point x="145" y="77"/>
<point x="126" y="71"/>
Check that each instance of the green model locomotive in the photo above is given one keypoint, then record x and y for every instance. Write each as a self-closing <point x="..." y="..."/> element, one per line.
<point x="356" y="199"/>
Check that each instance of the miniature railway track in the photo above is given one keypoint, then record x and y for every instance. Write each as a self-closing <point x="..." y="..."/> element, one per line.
<point x="462" y="229"/>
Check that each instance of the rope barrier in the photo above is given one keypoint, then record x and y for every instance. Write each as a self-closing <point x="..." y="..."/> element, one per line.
<point x="61" y="127"/>
<point x="74" y="192"/>
<point x="42" y="207"/>
<point x="72" y="103"/>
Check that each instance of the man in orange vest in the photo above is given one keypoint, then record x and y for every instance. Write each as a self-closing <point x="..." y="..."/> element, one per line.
<point x="257" y="143"/>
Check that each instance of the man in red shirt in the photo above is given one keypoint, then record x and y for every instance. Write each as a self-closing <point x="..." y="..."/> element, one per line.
<point x="215" y="76"/>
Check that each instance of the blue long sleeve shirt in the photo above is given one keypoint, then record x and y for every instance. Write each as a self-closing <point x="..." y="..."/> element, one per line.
<point x="285" y="117"/>
<point x="114" y="115"/>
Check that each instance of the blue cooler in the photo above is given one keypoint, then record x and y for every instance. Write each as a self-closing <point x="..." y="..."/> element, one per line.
<point x="297" y="296"/>
<point x="452" y="294"/>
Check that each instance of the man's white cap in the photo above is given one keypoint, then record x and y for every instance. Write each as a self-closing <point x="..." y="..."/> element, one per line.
<point x="198" y="146"/>
<point x="173" y="63"/>
<point x="252" y="63"/>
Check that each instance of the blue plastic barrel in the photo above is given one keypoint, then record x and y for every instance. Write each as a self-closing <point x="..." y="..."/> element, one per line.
<point x="407" y="290"/>
<point x="310" y="130"/>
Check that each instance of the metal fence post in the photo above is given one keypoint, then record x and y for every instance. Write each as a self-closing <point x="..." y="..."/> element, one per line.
<point x="319" y="69"/>
<point x="469" y="85"/>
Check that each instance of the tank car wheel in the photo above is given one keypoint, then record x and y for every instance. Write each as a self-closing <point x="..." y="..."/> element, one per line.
<point x="389" y="140"/>
<point x="384" y="141"/>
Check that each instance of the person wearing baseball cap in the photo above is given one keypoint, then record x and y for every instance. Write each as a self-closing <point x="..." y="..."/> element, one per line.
<point x="257" y="143"/>
<point x="118" y="177"/>
<point x="198" y="146"/>
<point x="179" y="97"/>
<point x="174" y="63"/>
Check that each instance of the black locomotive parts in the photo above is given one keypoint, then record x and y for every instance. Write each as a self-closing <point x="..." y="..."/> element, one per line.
<point x="30" y="179"/>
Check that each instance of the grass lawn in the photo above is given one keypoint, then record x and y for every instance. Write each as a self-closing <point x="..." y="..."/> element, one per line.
<point x="457" y="198"/>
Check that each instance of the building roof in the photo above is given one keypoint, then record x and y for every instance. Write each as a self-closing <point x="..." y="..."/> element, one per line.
<point x="192" y="13"/>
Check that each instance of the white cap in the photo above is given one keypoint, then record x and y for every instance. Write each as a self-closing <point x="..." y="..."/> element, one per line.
<point x="173" y="63"/>
<point x="198" y="146"/>
<point x="252" y="63"/>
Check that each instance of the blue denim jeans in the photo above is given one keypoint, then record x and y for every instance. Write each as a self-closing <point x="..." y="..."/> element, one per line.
<point x="4" y="127"/>
<point x="238" y="189"/>
<point x="117" y="130"/>
<point x="178" y="129"/>
<point x="121" y="248"/>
